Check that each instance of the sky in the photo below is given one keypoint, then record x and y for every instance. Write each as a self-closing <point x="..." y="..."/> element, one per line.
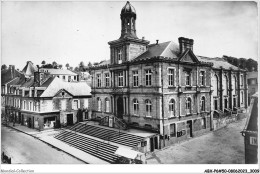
<point x="71" y="32"/>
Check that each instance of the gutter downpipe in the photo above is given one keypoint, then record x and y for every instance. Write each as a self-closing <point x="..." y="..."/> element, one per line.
<point x="162" y="104"/>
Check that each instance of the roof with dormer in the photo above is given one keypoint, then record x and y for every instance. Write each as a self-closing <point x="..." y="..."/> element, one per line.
<point x="165" y="49"/>
<point x="74" y="88"/>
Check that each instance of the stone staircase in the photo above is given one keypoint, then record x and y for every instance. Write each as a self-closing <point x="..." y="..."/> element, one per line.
<point x="107" y="134"/>
<point x="91" y="146"/>
<point x="99" y="148"/>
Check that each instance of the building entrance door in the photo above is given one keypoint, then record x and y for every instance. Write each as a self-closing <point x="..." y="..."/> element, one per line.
<point x="155" y="142"/>
<point x="69" y="119"/>
<point x="151" y="144"/>
<point x="120" y="107"/>
<point x="189" y="128"/>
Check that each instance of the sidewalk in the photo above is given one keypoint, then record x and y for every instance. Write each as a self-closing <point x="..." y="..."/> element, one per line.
<point x="47" y="136"/>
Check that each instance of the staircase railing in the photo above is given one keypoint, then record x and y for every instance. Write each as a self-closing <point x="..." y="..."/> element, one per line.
<point x="104" y="121"/>
<point x="120" y="123"/>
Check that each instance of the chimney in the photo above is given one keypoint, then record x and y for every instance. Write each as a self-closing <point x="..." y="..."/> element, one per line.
<point x="185" y="43"/>
<point x="143" y="38"/>
<point x="157" y="42"/>
<point x="12" y="68"/>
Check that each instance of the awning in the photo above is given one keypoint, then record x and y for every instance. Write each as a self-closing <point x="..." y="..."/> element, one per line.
<point x="128" y="153"/>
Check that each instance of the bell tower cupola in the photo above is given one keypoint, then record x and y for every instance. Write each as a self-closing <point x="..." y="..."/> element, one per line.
<point x="128" y="17"/>
<point x="128" y="46"/>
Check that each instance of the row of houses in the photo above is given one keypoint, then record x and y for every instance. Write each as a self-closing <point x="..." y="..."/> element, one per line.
<point x="43" y="98"/>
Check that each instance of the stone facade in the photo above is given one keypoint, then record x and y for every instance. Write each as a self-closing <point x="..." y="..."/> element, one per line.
<point x="163" y="88"/>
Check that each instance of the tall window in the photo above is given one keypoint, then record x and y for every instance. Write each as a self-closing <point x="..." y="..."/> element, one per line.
<point x="75" y="104"/>
<point x="203" y="103"/>
<point x="107" y="79"/>
<point x="98" y="80"/>
<point x="171" y="77"/>
<point x="214" y="82"/>
<point x="18" y="103"/>
<point x="107" y="104"/>
<point x="24" y="104"/>
<point x="172" y="108"/>
<point x="135" y="76"/>
<point x="225" y="85"/>
<point x="215" y="103"/>
<point x="148" y="105"/>
<point x="136" y="107"/>
<point x="148" y="77"/>
<point x="188" y="105"/>
<point x="98" y="104"/>
<point x="234" y="84"/>
<point x="202" y="78"/>
<point x="30" y="106"/>
<point x="119" y="56"/>
<point x="120" y="79"/>
<point x="242" y="97"/>
<point x="241" y="80"/>
<point x="85" y="103"/>
<point x="188" y="78"/>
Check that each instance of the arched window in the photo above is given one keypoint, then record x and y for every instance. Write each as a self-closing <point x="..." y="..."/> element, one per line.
<point x="203" y="103"/>
<point x="188" y="105"/>
<point x="136" y="106"/>
<point x="107" y="105"/>
<point x="172" y="108"/>
<point x="98" y="104"/>
<point x="148" y="105"/>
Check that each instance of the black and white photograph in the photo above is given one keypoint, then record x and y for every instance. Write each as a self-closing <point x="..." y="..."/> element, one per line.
<point x="162" y="84"/>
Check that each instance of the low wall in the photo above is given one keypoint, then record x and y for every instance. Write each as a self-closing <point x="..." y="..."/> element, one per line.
<point x="219" y="123"/>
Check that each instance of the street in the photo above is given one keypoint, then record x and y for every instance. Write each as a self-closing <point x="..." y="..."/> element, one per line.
<point x="224" y="146"/>
<point x="24" y="149"/>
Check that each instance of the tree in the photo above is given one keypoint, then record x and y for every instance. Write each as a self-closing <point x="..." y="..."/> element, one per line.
<point x="43" y="62"/>
<point x="60" y="66"/>
<point x="54" y="64"/>
<point x="81" y="66"/>
<point x="3" y="67"/>
<point x="89" y="64"/>
<point x="67" y="65"/>
<point x="251" y="65"/>
<point x="76" y="69"/>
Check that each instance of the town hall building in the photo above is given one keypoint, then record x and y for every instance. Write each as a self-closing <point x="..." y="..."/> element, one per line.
<point x="163" y="87"/>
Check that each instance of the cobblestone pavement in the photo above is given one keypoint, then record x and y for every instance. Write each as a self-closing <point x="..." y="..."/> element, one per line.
<point x="224" y="146"/>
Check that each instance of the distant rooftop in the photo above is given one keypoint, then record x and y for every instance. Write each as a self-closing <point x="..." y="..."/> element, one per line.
<point x="58" y="71"/>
